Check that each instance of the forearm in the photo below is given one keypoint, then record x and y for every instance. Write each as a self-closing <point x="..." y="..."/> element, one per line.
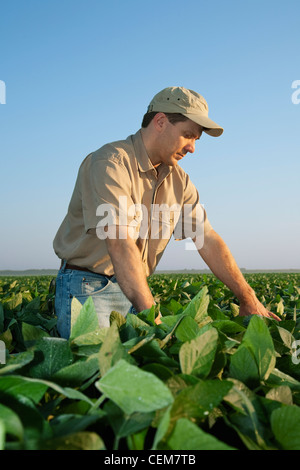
<point x="219" y="259"/>
<point x="129" y="272"/>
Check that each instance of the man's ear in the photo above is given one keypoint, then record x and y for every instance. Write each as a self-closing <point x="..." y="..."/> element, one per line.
<point x="159" y="122"/>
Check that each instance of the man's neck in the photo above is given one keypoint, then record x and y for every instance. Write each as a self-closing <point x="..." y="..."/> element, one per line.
<point x="150" y="147"/>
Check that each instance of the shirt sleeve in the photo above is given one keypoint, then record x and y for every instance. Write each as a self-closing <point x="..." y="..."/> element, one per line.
<point x="106" y="193"/>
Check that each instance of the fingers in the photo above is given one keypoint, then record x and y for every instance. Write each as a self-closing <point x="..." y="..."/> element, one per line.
<point x="272" y="315"/>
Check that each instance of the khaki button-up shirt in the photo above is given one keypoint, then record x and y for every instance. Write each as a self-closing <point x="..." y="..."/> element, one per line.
<point x="118" y="185"/>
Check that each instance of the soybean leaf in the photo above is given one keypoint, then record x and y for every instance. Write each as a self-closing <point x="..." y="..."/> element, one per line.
<point x="198" y="306"/>
<point x="17" y="385"/>
<point x="66" y="424"/>
<point x="123" y="424"/>
<point x="162" y="428"/>
<point x="196" y="356"/>
<point x="285" y="423"/>
<point x="188" y="436"/>
<point x="32" y="333"/>
<point x="112" y="350"/>
<point x="12" y="422"/>
<point x="17" y="361"/>
<point x="259" y="342"/>
<point x="243" y="366"/>
<point x="197" y="401"/>
<point x="35" y="388"/>
<point x="51" y="354"/>
<point x="34" y="425"/>
<point x="2" y="434"/>
<point x="75" y="374"/>
<point x="83" y="440"/>
<point x="246" y="421"/>
<point x="84" y="320"/>
<point x="133" y="389"/>
<point x="282" y="394"/>
<point x="187" y="329"/>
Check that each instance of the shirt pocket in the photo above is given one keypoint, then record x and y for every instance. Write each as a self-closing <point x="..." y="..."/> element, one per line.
<point x="163" y="222"/>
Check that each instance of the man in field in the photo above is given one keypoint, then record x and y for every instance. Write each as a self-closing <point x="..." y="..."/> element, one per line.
<point x="130" y="197"/>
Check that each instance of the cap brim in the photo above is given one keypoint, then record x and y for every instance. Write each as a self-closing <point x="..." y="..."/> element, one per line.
<point x="212" y="128"/>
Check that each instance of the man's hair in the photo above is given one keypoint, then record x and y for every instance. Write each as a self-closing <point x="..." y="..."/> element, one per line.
<point x="172" y="117"/>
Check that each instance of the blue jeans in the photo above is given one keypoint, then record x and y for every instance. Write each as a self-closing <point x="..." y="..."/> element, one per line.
<point x="105" y="292"/>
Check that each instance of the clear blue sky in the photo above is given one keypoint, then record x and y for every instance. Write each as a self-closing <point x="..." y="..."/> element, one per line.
<point x="80" y="73"/>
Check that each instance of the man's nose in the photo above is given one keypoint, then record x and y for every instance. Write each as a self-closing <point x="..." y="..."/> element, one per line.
<point x="190" y="147"/>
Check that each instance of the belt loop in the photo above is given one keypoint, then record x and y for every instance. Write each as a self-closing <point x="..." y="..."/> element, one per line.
<point x="63" y="265"/>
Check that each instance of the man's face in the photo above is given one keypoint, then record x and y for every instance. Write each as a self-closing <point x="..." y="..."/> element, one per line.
<point x="177" y="140"/>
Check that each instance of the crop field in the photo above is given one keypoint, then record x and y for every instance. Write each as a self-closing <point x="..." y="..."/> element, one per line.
<point x="205" y="378"/>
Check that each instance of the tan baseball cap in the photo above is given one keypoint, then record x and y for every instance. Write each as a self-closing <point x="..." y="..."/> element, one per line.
<point x="186" y="102"/>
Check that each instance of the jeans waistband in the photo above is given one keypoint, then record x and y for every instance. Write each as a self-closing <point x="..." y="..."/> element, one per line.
<point x="64" y="265"/>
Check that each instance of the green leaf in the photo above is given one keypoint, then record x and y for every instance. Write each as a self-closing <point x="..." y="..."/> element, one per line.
<point x="12" y="422"/>
<point x="123" y="424"/>
<point x="15" y="302"/>
<point x="16" y="385"/>
<point x="243" y="366"/>
<point x="136" y="441"/>
<point x="2" y="435"/>
<point x="282" y="394"/>
<point x="111" y="350"/>
<point x="148" y="315"/>
<point x="246" y="421"/>
<point x="134" y="390"/>
<point x="32" y="333"/>
<point x="84" y="320"/>
<point x="34" y="425"/>
<point x="162" y="428"/>
<point x="197" y="401"/>
<point x="75" y="374"/>
<point x="198" y="306"/>
<point x="7" y="338"/>
<point x="235" y="309"/>
<point x="84" y="440"/>
<point x="35" y="388"/>
<point x="196" y="356"/>
<point x="228" y="327"/>
<point x="255" y="358"/>
<point x="286" y="336"/>
<point x="66" y="424"/>
<point x="188" y="436"/>
<point x="17" y="361"/>
<point x="285" y="423"/>
<point x="187" y="329"/>
<point x="51" y="355"/>
<point x="278" y="377"/>
<point x="258" y="341"/>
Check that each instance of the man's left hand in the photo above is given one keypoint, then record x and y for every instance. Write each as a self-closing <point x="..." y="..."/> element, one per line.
<point x="255" y="307"/>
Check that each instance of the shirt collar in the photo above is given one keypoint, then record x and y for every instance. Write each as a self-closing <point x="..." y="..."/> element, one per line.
<point x="142" y="157"/>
